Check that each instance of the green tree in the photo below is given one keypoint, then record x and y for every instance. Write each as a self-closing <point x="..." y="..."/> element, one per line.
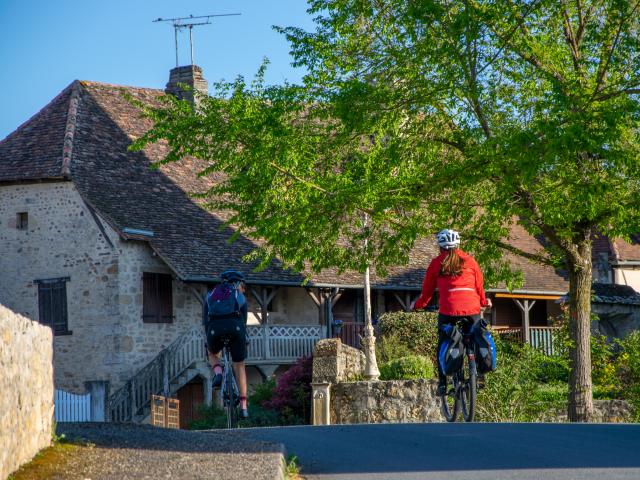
<point x="475" y="114"/>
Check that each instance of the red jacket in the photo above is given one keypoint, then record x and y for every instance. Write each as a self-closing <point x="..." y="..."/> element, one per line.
<point x="459" y="295"/>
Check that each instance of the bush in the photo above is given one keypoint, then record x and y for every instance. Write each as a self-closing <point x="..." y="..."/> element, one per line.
<point x="390" y="347"/>
<point x="412" y="367"/>
<point x="628" y="370"/>
<point x="549" y="369"/>
<point x="418" y="331"/>
<point x="292" y="394"/>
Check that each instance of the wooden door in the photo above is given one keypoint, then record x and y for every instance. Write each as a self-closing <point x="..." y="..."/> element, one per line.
<point x="191" y="397"/>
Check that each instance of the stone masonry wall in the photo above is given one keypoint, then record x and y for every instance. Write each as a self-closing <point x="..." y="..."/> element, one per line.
<point x="335" y="362"/>
<point x="141" y="342"/>
<point x="109" y="340"/>
<point x="62" y="240"/>
<point x="394" y="401"/>
<point x="26" y="386"/>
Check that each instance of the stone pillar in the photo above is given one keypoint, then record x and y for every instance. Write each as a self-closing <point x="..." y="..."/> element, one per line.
<point x="99" y="391"/>
<point x="321" y="400"/>
<point x="207" y="384"/>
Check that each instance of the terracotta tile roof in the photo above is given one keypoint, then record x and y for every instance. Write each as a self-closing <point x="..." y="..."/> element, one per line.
<point x="99" y="124"/>
<point x="35" y="149"/>
<point x="627" y="251"/>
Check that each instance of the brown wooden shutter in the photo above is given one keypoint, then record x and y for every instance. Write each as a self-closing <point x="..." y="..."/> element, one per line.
<point x="52" y="305"/>
<point x="157" y="298"/>
<point x="165" y="294"/>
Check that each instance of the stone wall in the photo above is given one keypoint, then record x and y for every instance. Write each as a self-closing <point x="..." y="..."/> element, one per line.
<point x="26" y="386"/>
<point x="108" y="340"/>
<point x="63" y="239"/>
<point x="615" y="320"/>
<point x="335" y="362"/>
<point x="604" y="411"/>
<point x="394" y="401"/>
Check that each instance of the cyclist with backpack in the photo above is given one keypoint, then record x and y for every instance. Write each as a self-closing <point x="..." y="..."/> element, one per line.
<point x="225" y="315"/>
<point x="459" y="281"/>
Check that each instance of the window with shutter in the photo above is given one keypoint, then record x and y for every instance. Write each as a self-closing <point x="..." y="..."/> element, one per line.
<point x="157" y="298"/>
<point x="52" y="304"/>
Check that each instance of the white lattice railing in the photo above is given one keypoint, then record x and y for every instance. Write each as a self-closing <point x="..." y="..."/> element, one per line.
<point x="281" y="342"/>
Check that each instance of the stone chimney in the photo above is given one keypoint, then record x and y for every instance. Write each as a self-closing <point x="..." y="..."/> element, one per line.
<point x="190" y="75"/>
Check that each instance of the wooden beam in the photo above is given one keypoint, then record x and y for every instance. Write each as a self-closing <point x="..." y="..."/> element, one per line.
<point x="335" y="297"/>
<point x="313" y="296"/>
<point x="400" y="301"/>
<point x="528" y="297"/>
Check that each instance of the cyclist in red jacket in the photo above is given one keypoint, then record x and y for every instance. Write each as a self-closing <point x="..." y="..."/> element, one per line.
<point x="459" y="281"/>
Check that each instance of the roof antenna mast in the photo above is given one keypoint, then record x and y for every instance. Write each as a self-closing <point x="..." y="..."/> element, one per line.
<point x="190" y="22"/>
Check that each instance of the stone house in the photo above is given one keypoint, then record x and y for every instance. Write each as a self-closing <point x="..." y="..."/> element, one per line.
<point x="116" y="256"/>
<point x="616" y="261"/>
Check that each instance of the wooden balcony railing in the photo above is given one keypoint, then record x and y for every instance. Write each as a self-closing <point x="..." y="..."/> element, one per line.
<point x="542" y="338"/>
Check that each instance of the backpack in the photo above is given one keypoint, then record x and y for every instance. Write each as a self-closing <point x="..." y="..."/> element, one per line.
<point x="224" y="302"/>
<point x="486" y="356"/>
<point x="450" y="356"/>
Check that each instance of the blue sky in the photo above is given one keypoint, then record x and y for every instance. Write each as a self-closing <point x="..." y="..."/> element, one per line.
<point x="46" y="44"/>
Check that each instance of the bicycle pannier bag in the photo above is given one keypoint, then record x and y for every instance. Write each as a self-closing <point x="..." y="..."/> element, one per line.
<point x="223" y="302"/>
<point x="485" y="349"/>
<point x="450" y="356"/>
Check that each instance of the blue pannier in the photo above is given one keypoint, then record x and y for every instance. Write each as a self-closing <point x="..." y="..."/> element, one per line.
<point x="486" y="356"/>
<point x="450" y="356"/>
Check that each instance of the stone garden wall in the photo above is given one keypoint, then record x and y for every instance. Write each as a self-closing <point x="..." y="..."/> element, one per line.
<point x="26" y="389"/>
<point x="335" y="362"/>
<point x="393" y="401"/>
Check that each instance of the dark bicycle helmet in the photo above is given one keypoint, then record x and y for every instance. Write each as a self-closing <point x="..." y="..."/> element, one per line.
<point x="232" y="276"/>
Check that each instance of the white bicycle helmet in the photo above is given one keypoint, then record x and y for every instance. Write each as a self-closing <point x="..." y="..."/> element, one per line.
<point x="448" y="239"/>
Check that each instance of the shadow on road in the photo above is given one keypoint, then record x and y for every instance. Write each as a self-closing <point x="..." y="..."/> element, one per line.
<point x="361" y="449"/>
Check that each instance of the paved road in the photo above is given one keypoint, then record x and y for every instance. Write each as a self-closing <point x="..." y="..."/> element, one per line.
<point x="462" y="451"/>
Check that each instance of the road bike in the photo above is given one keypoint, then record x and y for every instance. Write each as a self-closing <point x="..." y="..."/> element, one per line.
<point x="229" y="387"/>
<point x="462" y="387"/>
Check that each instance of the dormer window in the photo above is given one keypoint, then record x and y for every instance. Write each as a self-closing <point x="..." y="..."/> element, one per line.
<point x="22" y="221"/>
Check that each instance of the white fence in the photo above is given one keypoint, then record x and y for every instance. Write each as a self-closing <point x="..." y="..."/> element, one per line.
<point x="72" y="408"/>
<point x="281" y="343"/>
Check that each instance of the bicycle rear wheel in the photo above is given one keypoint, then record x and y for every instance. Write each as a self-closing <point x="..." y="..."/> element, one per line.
<point x="450" y="403"/>
<point x="469" y="388"/>
<point x="230" y="400"/>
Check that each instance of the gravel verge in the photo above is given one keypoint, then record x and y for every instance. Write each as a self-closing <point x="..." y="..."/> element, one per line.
<point x="120" y="451"/>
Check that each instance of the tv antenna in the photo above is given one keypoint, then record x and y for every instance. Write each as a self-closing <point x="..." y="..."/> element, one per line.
<point x="190" y="22"/>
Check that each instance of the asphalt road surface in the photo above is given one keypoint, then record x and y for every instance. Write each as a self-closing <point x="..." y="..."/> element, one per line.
<point x="462" y="451"/>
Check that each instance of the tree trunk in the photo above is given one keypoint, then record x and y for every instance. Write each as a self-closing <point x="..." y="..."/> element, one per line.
<point x="580" y="387"/>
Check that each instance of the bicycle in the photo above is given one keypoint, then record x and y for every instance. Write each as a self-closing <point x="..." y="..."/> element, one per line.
<point x="462" y="387"/>
<point x="229" y="387"/>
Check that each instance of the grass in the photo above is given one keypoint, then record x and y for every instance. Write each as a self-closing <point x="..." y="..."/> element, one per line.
<point x="292" y="469"/>
<point x="46" y="463"/>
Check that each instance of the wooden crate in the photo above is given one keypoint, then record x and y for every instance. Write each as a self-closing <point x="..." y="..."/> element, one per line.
<point x="165" y="412"/>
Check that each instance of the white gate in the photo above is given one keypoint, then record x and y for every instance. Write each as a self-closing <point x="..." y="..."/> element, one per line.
<point x="70" y="407"/>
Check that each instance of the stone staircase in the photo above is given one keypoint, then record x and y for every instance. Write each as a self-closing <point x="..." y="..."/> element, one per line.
<point x="170" y="370"/>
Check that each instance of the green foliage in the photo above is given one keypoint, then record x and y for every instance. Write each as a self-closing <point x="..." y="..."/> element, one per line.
<point x="391" y="347"/>
<point x="416" y="332"/>
<point x="412" y="367"/>
<point x="628" y="370"/>
<point x="514" y="393"/>
<point x="292" y="469"/>
<point x="263" y="392"/>
<point x="549" y="369"/>
<point x="476" y="115"/>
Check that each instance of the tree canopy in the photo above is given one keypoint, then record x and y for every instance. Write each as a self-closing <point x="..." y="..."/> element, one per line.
<point x="472" y="114"/>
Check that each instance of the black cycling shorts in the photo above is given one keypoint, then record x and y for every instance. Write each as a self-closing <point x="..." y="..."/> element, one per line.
<point x="234" y="329"/>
